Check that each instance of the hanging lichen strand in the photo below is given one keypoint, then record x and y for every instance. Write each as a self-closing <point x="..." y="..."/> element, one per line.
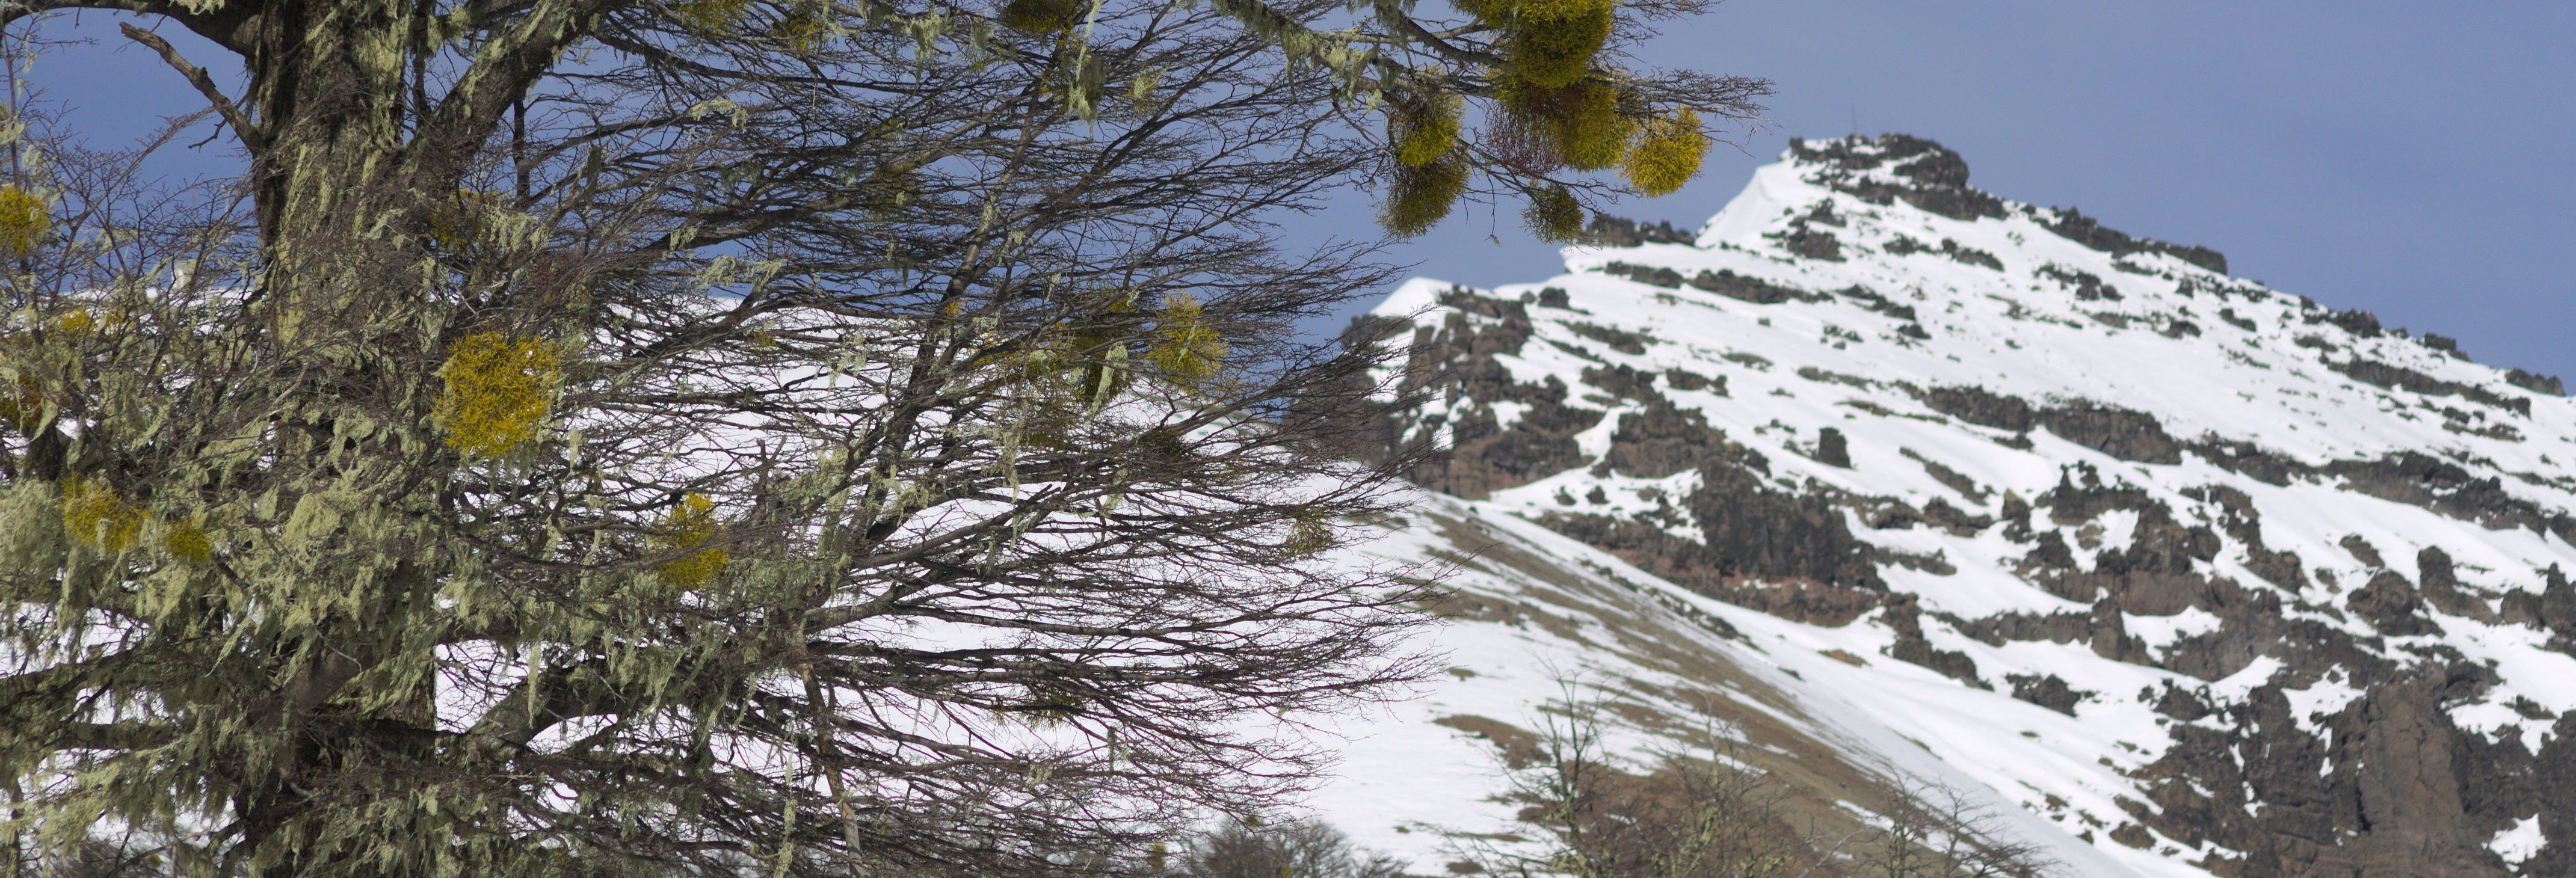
<point x="498" y="391"/>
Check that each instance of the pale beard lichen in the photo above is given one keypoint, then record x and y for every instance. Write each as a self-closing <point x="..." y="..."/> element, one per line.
<point x="690" y="525"/>
<point x="498" y="391"/>
<point x="99" y="517"/>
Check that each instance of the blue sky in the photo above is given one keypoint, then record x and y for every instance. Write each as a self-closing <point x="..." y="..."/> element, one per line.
<point x="2417" y="160"/>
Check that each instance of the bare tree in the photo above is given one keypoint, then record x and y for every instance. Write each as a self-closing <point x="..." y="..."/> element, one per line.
<point x="884" y="467"/>
<point x="1307" y="848"/>
<point x="1686" y="815"/>
<point x="1696" y="814"/>
<point x="1936" y="831"/>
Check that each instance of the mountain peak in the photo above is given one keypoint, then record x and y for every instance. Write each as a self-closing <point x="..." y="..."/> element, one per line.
<point x="2191" y="576"/>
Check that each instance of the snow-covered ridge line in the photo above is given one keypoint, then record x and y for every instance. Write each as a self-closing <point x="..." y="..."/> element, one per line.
<point x="2257" y="554"/>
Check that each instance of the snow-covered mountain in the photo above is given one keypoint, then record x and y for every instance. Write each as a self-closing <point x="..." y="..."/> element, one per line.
<point x="1897" y="481"/>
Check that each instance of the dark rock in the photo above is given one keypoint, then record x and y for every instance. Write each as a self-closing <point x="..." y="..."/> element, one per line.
<point x="1757" y="532"/>
<point x="1680" y="379"/>
<point x="2381" y="374"/>
<point x="2229" y="315"/>
<point x="2362" y="551"/>
<point x="1646" y="274"/>
<point x="1935" y="178"/>
<point x="2049" y="691"/>
<point x="2049" y="552"/>
<point x="1976" y="405"/>
<point x="1904" y="616"/>
<point x="1755" y="290"/>
<point x="2388" y="603"/>
<point x="2439" y="583"/>
<point x="1812" y="244"/>
<point x="2557" y="610"/>
<point x="2112" y="430"/>
<point x="2182" y="704"/>
<point x="2247" y="459"/>
<point x="1832" y="449"/>
<point x="1696" y="567"/>
<point x="2087" y="286"/>
<point x="1554" y="297"/>
<point x="2074" y="226"/>
<point x="2548" y="384"/>
<point x="2355" y="321"/>
<point x="1623" y="382"/>
<point x="1662" y="440"/>
<point x="1623" y="341"/>
<point x="1616" y="232"/>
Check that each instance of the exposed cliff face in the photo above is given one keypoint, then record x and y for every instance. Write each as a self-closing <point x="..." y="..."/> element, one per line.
<point x="2209" y="578"/>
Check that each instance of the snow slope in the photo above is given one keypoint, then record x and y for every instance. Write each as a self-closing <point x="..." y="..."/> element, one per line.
<point x="2186" y="575"/>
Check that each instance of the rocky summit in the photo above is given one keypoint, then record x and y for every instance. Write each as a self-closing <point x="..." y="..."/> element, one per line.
<point x="1895" y="485"/>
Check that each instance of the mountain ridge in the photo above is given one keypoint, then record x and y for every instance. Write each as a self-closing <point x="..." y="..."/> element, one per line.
<point x="1999" y="454"/>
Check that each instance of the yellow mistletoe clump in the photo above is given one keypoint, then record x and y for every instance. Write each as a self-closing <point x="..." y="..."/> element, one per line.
<point x="498" y="391"/>
<point x="1553" y="41"/>
<point x="1185" y="347"/>
<point x="188" y="543"/>
<point x="1419" y="197"/>
<point x="97" y="516"/>
<point x="690" y="525"/>
<point x="1553" y="214"/>
<point x="1043" y="16"/>
<point x="711" y="16"/>
<point x="24" y="219"/>
<point x="1668" y="156"/>
<point x="1423" y="131"/>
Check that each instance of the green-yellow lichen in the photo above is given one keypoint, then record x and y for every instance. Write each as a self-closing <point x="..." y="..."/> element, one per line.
<point x="1578" y="126"/>
<point x="498" y="391"/>
<point x="688" y="526"/>
<point x="1553" y="214"/>
<point x="711" y="16"/>
<point x="1591" y="133"/>
<point x="1043" y="16"/>
<point x="1668" y="156"/>
<point x="1186" y="348"/>
<point x="24" y="219"/>
<point x="1308" y="535"/>
<point x="99" y="517"/>
<point x="1420" y="197"/>
<point x="1553" y="41"/>
<point x="1422" y="131"/>
<point x="188" y="543"/>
